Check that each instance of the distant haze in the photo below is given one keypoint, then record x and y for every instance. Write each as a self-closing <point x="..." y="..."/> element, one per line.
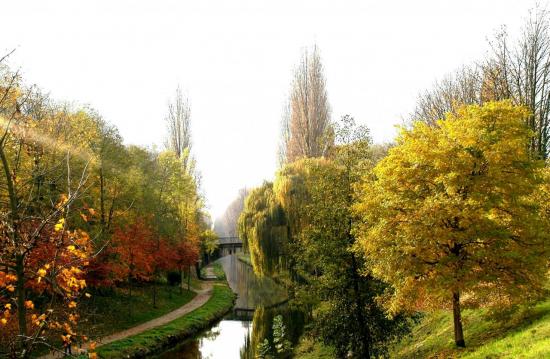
<point x="234" y="59"/>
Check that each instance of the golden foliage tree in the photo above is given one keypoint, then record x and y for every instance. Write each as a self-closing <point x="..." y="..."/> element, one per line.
<point x="449" y="217"/>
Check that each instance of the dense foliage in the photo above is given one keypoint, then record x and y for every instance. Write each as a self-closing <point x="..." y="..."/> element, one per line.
<point x="79" y="208"/>
<point x="301" y="228"/>
<point x="455" y="214"/>
<point x="453" y="211"/>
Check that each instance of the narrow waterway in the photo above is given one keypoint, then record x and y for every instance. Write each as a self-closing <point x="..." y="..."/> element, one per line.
<point x="238" y="335"/>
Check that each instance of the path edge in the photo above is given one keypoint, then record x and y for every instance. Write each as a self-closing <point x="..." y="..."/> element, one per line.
<point x="173" y="333"/>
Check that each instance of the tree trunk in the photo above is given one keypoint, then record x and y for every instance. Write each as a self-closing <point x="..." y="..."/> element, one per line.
<point x="459" y="335"/>
<point x="359" y="308"/>
<point x="154" y="294"/>
<point x="20" y="258"/>
<point x="21" y="297"/>
<point x="130" y="297"/>
<point x="154" y="277"/>
<point x="189" y="278"/>
<point x="198" y="270"/>
<point x="181" y="279"/>
<point x="102" y="198"/>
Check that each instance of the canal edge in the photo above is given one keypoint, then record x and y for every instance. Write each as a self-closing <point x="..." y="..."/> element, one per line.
<point x="164" y="337"/>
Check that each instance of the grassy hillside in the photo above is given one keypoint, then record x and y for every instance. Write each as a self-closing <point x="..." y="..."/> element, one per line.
<point x="523" y="334"/>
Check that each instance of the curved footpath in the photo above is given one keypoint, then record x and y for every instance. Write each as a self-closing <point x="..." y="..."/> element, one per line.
<point x="203" y="295"/>
<point x="198" y="301"/>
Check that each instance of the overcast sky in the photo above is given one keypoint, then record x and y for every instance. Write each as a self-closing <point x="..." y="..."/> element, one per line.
<point x="235" y="59"/>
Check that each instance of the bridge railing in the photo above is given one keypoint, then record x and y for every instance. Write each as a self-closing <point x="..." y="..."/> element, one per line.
<point x="229" y="240"/>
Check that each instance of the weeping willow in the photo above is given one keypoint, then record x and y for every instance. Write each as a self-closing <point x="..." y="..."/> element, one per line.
<point x="263" y="230"/>
<point x="274" y="216"/>
<point x="292" y="188"/>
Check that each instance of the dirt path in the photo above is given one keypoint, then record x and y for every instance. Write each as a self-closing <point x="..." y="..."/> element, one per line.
<point x="199" y="300"/>
<point x="210" y="273"/>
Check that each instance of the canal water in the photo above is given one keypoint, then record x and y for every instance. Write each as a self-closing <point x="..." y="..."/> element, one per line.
<point x="238" y="335"/>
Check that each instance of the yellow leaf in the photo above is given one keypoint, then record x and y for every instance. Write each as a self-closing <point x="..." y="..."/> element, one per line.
<point x="59" y="225"/>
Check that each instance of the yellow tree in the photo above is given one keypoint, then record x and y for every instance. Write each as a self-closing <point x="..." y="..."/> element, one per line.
<point x="449" y="217"/>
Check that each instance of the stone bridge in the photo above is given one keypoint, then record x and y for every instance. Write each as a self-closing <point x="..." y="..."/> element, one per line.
<point x="230" y="245"/>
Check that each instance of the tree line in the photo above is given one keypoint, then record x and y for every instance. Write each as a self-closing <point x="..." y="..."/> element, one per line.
<point x="79" y="210"/>
<point x="226" y="224"/>
<point x="453" y="214"/>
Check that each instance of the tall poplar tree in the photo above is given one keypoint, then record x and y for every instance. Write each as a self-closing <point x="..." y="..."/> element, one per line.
<point x="307" y="129"/>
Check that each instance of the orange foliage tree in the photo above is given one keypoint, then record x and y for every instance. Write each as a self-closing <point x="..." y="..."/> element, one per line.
<point x="134" y="248"/>
<point x="41" y="256"/>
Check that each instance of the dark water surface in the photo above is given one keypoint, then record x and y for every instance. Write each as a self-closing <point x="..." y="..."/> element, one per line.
<point x="237" y="336"/>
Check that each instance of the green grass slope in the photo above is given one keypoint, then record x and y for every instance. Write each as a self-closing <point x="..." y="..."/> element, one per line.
<point x="523" y="334"/>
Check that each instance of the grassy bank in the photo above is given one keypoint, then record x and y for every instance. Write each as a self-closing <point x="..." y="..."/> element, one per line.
<point x="307" y="348"/>
<point x="160" y="338"/>
<point x="117" y="311"/>
<point x="218" y="270"/>
<point x="524" y="334"/>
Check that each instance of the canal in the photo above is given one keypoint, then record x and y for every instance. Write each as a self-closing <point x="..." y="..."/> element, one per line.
<point x="250" y="323"/>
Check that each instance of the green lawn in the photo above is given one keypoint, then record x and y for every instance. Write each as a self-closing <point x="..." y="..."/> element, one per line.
<point x="524" y="334"/>
<point x="156" y="339"/>
<point x="116" y="311"/>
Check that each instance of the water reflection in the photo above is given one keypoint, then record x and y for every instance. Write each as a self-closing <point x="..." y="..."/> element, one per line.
<point x="252" y="290"/>
<point x="224" y="340"/>
<point x="237" y="336"/>
<point x="263" y="328"/>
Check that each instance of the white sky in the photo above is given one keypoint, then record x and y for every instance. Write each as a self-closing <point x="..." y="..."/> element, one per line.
<point x="235" y="61"/>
